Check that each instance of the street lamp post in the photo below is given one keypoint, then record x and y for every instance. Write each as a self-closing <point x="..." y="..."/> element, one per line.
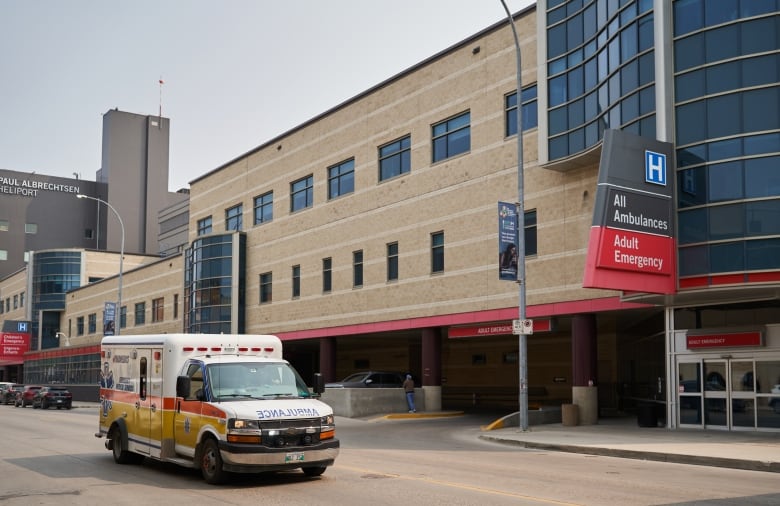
<point x="118" y="313"/>
<point x="522" y="338"/>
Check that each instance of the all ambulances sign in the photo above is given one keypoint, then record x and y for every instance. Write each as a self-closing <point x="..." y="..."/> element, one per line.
<point x="632" y="245"/>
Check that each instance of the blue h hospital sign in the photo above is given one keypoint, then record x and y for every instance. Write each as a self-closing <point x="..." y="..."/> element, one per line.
<point x="655" y="168"/>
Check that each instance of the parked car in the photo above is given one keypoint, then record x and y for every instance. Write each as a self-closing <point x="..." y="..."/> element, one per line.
<point x="9" y="395"/>
<point x="25" y="396"/>
<point x="4" y="386"/>
<point x="370" y="379"/>
<point x="46" y="397"/>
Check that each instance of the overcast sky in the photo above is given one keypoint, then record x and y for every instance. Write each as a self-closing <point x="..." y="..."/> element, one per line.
<point x="236" y="72"/>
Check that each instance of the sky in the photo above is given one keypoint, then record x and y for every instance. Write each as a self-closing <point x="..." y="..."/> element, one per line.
<point x="236" y="73"/>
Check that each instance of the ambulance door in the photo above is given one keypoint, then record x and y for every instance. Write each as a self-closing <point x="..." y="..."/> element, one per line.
<point x="148" y="404"/>
<point x="187" y="420"/>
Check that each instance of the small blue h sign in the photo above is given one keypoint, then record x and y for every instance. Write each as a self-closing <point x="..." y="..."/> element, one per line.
<point x="655" y="168"/>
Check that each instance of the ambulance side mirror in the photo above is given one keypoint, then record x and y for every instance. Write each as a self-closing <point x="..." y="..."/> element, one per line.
<point x="319" y="383"/>
<point x="183" y="386"/>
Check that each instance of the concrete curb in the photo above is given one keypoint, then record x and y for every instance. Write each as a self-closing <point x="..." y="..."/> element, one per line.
<point x="674" y="458"/>
<point x="431" y="414"/>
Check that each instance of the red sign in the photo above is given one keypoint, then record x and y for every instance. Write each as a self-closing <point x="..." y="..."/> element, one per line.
<point x="724" y="340"/>
<point x="13" y="345"/>
<point x="635" y="251"/>
<point x="496" y="329"/>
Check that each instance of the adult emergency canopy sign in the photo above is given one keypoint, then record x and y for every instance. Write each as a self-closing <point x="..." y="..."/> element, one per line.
<point x="632" y="244"/>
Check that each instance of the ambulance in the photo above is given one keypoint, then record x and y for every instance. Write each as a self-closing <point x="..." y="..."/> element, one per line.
<point x="221" y="403"/>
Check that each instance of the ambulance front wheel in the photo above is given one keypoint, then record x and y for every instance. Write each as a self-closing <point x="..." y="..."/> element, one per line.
<point x="211" y="463"/>
<point x="313" y="471"/>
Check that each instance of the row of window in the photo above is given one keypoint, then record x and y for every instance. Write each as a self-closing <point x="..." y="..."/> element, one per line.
<point x="139" y="315"/>
<point x="449" y="138"/>
<point x="18" y="302"/>
<point x="29" y="228"/>
<point x="392" y="262"/>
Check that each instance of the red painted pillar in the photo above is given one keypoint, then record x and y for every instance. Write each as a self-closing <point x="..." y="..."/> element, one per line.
<point x="431" y="358"/>
<point x="584" y="357"/>
<point x="328" y="359"/>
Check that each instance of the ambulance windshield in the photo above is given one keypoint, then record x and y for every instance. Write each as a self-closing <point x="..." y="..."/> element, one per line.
<point x="255" y="380"/>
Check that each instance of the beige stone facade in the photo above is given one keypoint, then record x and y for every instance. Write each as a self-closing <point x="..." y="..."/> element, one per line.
<point x="457" y="196"/>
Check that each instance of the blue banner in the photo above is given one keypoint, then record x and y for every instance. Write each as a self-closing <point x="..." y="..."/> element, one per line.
<point x="109" y="319"/>
<point x="507" y="241"/>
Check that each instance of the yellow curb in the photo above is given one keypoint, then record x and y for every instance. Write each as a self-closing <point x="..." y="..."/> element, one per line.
<point x="498" y="424"/>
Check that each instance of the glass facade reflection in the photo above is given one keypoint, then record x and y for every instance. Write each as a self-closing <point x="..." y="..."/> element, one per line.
<point x="54" y="273"/>
<point x="600" y="72"/>
<point x="727" y="117"/>
<point x="214" y="285"/>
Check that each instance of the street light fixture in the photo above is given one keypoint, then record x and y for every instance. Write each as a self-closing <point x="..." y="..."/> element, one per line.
<point x="117" y="315"/>
<point x="522" y="338"/>
<point x="59" y="335"/>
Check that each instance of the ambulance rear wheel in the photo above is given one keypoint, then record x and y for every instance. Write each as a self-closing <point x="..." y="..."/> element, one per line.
<point x="122" y="456"/>
<point x="211" y="463"/>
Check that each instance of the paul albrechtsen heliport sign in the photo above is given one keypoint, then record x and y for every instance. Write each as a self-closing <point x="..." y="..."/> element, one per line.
<point x="632" y="241"/>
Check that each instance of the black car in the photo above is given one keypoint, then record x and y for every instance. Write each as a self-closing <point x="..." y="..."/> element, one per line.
<point x="46" y="397"/>
<point x="370" y="379"/>
<point x="9" y="395"/>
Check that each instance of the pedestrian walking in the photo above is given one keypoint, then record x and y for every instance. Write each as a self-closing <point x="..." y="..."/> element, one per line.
<point x="409" y="389"/>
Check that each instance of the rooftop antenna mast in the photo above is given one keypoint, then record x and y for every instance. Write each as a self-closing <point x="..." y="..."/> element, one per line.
<point x="159" y="123"/>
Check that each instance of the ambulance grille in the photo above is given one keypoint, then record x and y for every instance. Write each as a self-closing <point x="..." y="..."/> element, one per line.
<point x="284" y="433"/>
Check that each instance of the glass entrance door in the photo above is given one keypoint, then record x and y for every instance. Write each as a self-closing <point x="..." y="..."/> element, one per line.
<point x="716" y="394"/>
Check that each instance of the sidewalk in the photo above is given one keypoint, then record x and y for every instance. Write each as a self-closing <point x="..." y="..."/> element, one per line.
<point x="622" y="437"/>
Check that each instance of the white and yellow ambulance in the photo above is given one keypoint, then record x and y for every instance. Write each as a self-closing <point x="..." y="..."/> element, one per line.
<point x="220" y="403"/>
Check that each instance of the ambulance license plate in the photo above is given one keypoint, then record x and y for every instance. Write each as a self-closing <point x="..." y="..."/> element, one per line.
<point x="294" y="457"/>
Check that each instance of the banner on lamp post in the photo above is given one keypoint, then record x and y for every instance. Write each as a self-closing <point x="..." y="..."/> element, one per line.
<point x="109" y="319"/>
<point x="507" y="241"/>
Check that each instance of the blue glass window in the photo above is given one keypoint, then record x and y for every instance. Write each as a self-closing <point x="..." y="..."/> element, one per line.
<point x="763" y="254"/>
<point x="688" y="16"/>
<point x="302" y="193"/>
<point x="725" y="181"/>
<point x="451" y="137"/>
<point x="395" y="158"/>
<point x="694" y="261"/>
<point x="727" y="257"/>
<point x="692" y="226"/>
<point x="727" y="222"/>
<point x="755" y="107"/>
<point x="341" y="179"/>
<point x="529" y="111"/>
<point x="234" y="218"/>
<point x="204" y="226"/>
<point x="264" y="208"/>
<point x="762" y="177"/>
<point x="763" y="217"/>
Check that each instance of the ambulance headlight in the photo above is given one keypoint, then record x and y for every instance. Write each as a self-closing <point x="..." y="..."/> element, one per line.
<point x="244" y="431"/>
<point x="243" y="424"/>
<point x="327" y="427"/>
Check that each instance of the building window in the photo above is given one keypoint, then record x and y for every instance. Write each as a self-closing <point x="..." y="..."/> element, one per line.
<point x="123" y="317"/>
<point x="357" y="268"/>
<point x="3" y="254"/>
<point x="392" y="261"/>
<point x="437" y="252"/>
<point x="92" y="323"/>
<point x="204" y="226"/>
<point x="529" y="231"/>
<point x="451" y="137"/>
<point x="234" y="218"/>
<point x="21" y="299"/>
<point x="395" y="158"/>
<point x="264" y="208"/>
<point x="30" y="228"/>
<point x="158" y="309"/>
<point x="3" y="225"/>
<point x="140" y="313"/>
<point x="89" y="233"/>
<point x="175" y="306"/>
<point x="302" y="193"/>
<point x="327" y="265"/>
<point x="296" y="281"/>
<point x="16" y="302"/>
<point x="80" y="326"/>
<point x="529" y="111"/>
<point x="266" y="288"/>
<point x="341" y="179"/>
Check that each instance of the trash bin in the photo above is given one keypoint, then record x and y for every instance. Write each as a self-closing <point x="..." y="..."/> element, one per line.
<point x="647" y="414"/>
<point x="569" y="415"/>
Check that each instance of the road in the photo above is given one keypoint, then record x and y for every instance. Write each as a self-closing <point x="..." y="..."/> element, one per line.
<point x="51" y="457"/>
